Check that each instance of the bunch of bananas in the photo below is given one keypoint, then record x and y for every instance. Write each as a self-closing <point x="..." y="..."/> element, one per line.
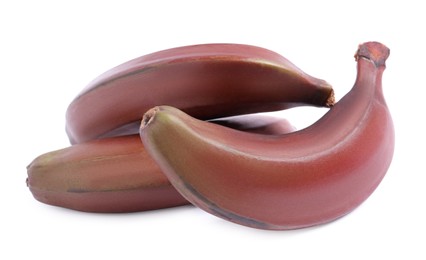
<point x="179" y="126"/>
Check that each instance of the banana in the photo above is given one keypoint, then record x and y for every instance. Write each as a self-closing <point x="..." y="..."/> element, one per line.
<point x="116" y="174"/>
<point x="207" y="81"/>
<point x="305" y="178"/>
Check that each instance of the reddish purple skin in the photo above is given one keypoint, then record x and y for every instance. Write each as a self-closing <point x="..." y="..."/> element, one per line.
<point x="207" y="81"/>
<point x="116" y="175"/>
<point x="305" y="178"/>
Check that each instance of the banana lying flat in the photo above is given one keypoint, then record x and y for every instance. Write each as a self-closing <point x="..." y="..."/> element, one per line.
<point x="116" y="175"/>
<point x="207" y="81"/>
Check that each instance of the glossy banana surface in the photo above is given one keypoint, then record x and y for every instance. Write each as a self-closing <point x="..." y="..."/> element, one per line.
<point x="116" y="174"/>
<point x="207" y="81"/>
<point x="304" y="178"/>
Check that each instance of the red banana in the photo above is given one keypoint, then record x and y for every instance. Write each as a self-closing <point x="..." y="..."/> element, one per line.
<point x="116" y="174"/>
<point x="207" y="81"/>
<point x="305" y="178"/>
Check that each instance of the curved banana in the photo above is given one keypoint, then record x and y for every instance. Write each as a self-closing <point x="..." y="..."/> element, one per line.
<point x="207" y="81"/>
<point x="305" y="178"/>
<point x="116" y="174"/>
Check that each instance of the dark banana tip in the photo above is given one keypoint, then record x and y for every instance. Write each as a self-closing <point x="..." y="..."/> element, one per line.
<point x="331" y="100"/>
<point x="148" y="116"/>
<point x="374" y="51"/>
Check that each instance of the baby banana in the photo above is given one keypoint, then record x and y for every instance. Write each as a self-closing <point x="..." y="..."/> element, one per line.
<point x="305" y="178"/>
<point x="207" y="81"/>
<point x="116" y="174"/>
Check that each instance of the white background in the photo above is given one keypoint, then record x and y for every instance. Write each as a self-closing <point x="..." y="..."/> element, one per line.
<point x="49" y="50"/>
